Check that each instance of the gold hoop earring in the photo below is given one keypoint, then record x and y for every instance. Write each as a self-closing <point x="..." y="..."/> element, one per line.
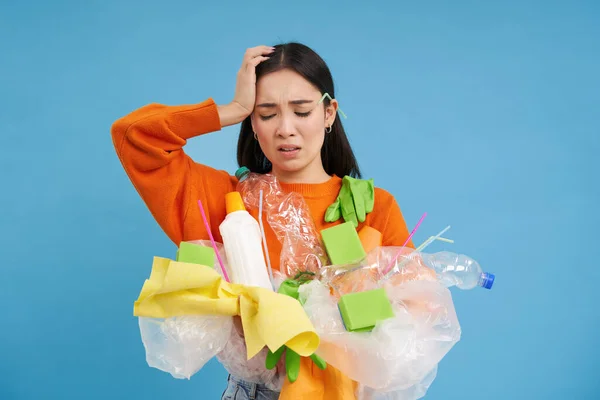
<point x="328" y="129"/>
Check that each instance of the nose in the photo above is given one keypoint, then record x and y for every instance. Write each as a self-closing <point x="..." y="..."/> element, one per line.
<point x="286" y="126"/>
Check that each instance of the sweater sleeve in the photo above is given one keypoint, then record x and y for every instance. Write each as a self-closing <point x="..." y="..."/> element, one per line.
<point x="149" y="143"/>
<point x="395" y="231"/>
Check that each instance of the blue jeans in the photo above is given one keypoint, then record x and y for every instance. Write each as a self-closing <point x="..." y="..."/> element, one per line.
<point x="238" y="389"/>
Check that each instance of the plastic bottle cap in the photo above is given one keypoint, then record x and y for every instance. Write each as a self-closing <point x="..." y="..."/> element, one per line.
<point x="241" y="173"/>
<point x="234" y="202"/>
<point x="486" y="280"/>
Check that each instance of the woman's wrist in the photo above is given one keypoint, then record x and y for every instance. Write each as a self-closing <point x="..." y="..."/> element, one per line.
<point x="232" y="113"/>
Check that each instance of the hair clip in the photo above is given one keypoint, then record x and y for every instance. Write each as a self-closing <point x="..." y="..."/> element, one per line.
<point x="327" y="95"/>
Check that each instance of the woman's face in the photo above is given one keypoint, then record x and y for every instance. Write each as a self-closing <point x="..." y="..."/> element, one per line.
<point x="290" y="125"/>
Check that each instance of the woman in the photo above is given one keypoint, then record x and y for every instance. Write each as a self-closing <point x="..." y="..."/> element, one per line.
<point x="285" y="130"/>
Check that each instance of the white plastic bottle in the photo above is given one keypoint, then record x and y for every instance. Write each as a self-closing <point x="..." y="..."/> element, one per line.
<point x="242" y="242"/>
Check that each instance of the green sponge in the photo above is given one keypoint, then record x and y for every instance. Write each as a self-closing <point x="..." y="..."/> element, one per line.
<point x="196" y="254"/>
<point x="342" y="244"/>
<point x="361" y="311"/>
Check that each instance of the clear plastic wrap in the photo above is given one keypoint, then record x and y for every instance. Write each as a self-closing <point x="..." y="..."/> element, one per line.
<point x="367" y="274"/>
<point x="233" y="358"/>
<point x="181" y="346"/>
<point x="343" y="279"/>
<point x="399" y="355"/>
<point x="412" y="393"/>
<point x="289" y="217"/>
<point x="406" y="264"/>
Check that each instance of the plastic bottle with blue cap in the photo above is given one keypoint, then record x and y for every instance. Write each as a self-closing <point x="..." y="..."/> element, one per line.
<point x="458" y="270"/>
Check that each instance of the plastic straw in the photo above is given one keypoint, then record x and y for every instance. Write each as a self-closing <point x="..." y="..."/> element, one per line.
<point x="424" y="245"/>
<point x="264" y="240"/>
<point x="414" y="230"/>
<point x="212" y="240"/>
<point x="432" y="239"/>
<point x="389" y="267"/>
<point x="327" y="95"/>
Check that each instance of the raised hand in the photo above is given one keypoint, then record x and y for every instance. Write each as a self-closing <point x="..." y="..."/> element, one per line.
<point x="245" y="88"/>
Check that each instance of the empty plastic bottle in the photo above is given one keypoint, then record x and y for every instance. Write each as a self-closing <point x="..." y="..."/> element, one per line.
<point x="290" y="219"/>
<point x="458" y="270"/>
<point x="242" y="242"/>
<point x="250" y="184"/>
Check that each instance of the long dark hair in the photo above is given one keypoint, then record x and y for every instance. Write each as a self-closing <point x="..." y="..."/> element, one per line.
<point x="336" y="154"/>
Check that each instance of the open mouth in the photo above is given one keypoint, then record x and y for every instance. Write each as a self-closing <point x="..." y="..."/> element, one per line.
<point x="288" y="149"/>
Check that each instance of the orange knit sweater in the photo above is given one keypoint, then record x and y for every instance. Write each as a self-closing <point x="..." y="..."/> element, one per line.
<point x="149" y="143"/>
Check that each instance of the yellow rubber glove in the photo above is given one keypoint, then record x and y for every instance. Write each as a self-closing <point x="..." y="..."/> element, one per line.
<point x="354" y="202"/>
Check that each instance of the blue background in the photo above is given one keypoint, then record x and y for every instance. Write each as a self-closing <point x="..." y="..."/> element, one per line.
<point x="484" y="115"/>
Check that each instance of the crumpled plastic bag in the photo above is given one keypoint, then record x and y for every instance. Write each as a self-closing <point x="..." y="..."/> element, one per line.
<point x="400" y="356"/>
<point x="412" y="393"/>
<point x="368" y="273"/>
<point x="182" y="345"/>
<point x="233" y="358"/>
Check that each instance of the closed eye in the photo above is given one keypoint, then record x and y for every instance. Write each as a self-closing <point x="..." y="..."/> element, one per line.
<point x="300" y="114"/>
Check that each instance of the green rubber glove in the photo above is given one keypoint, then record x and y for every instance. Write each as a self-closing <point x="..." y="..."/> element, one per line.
<point x="292" y="362"/>
<point x="354" y="202"/>
<point x="290" y="287"/>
